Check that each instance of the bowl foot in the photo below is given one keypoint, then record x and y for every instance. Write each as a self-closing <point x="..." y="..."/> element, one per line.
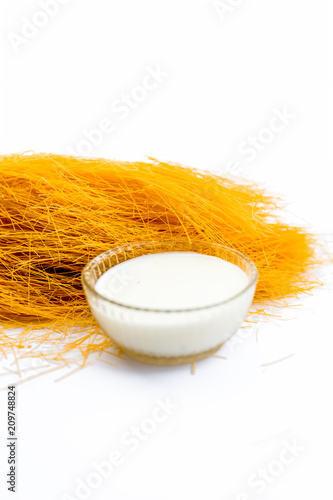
<point x="170" y="360"/>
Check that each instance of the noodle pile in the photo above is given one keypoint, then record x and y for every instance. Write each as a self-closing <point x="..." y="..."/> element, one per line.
<point x="58" y="212"/>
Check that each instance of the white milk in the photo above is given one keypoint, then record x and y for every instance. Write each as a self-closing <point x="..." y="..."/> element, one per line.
<point x="172" y="280"/>
<point x="169" y="283"/>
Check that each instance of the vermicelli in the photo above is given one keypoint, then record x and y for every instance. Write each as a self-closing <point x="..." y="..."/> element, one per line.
<point x="58" y="212"/>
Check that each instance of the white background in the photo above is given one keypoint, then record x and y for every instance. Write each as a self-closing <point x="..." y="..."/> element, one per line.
<point x="226" y="74"/>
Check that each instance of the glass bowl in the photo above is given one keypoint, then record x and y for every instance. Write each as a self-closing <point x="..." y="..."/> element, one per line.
<point x="168" y="336"/>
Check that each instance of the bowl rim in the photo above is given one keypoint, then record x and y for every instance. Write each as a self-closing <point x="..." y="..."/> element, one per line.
<point x="87" y="269"/>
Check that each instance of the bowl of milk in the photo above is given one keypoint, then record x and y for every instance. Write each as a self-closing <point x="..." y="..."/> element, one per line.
<point x="170" y="302"/>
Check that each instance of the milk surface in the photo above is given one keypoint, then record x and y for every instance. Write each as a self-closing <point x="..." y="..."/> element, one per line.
<point x="172" y="280"/>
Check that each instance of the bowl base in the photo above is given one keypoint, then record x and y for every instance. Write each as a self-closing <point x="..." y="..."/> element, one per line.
<point x="170" y="360"/>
